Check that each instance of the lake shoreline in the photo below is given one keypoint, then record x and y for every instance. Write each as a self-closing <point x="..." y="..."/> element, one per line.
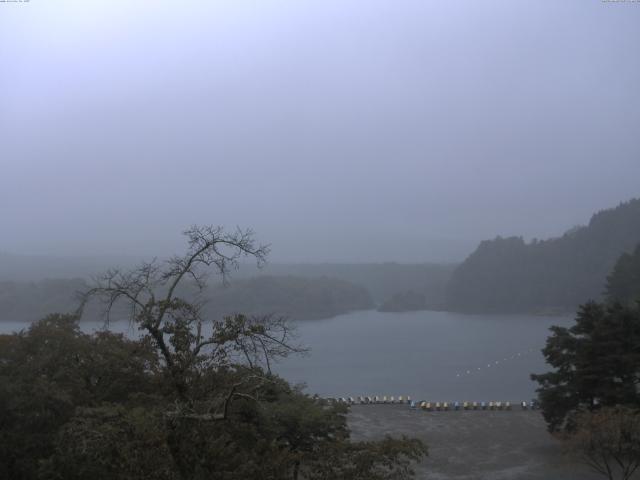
<point x="537" y="313"/>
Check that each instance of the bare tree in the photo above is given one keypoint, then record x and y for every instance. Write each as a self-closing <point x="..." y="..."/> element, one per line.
<point x="151" y="293"/>
<point x="608" y="440"/>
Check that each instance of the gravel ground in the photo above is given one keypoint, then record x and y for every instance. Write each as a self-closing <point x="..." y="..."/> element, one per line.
<point x="473" y="445"/>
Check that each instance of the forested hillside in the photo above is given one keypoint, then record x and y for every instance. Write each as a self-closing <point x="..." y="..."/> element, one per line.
<point x="406" y="302"/>
<point x="297" y="298"/>
<point x="382" y="280"/>
<point x="30" y="301"/>
<point x="623" y="284"/>
<point x="510" y="275"/>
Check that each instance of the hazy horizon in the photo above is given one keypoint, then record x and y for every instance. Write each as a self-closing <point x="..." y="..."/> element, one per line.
<point x="447" y="258"/>
<point x="358" y="131"/>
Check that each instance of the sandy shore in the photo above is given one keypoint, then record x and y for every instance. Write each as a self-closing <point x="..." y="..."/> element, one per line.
<point x="473" y="445"/>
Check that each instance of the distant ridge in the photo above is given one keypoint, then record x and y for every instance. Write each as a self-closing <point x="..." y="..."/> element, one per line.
<point x="382" y="280"/>
<point x="509" y="275"/>
<point x="294" y="297"/>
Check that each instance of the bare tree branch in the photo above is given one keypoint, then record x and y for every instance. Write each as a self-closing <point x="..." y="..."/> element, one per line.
<point x="151" y="293"/>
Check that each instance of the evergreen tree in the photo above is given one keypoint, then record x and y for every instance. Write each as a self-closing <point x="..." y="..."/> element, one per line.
<point x="623" y="284"/>
<point x="596" y="361"/>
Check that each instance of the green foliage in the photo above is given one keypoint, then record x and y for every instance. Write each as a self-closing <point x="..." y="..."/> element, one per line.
<point x="100" y="406"/>
<point x="596" y="361"/>
<point x="51" y="369"/>
<point x="108" y="442"/>
<point x="193" y="399"/>
<point x="389" y="459"/>
<point x="608" y="441"/>
<point x="623" y="284"/>
<point x="509" y="275"/>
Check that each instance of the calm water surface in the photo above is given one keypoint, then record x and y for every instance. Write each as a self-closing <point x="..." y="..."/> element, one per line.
<point x="430" y="355"/>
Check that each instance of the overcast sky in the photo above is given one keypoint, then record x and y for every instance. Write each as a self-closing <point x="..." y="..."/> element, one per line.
<point x="346" y="130"/>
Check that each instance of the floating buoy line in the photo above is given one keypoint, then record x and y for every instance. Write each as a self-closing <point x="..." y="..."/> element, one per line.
<point x="433" y="406"/>
<point x="495" y="363"/>
<point x="446" y="406"/>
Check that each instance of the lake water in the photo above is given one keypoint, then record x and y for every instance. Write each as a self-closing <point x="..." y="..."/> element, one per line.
<point x="428" y="355"/>
<point x="438" y="356"/>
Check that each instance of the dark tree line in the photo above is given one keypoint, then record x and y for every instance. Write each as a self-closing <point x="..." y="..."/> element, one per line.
<point x="510" y="275"/>
<point x="623" y="284"/>
<point x="295" y="297"/>
<point x="406" y="302"/>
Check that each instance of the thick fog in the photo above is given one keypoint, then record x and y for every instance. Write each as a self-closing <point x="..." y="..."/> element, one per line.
<point x="359" y="130"/>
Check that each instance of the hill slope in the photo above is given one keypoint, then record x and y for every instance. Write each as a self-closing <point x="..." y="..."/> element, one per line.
<point x="510" y="275"/>
<point x="382" y="280"/>
<point x="295" y="297"/>
<point x="298" y="298"/>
